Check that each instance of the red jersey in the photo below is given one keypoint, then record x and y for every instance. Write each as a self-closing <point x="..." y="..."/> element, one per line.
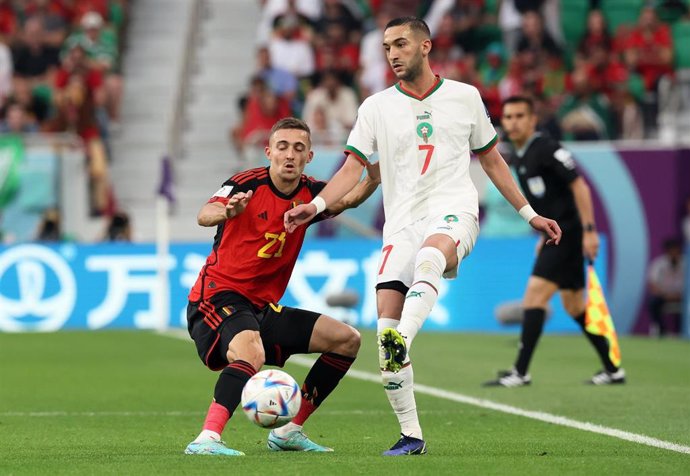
<point x="648" y="46"/>
<point x="252" y="253"/>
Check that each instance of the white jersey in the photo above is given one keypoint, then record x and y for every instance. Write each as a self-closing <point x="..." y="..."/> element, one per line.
<point x="424" y="148"/>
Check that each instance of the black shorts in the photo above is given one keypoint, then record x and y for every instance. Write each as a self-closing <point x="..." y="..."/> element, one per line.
<point x="212" y="324"/>
<point x="563" y="264"/>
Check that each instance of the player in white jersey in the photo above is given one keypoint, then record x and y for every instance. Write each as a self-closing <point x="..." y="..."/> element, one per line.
<point x="423" y="128"/>
<point x="424" y="143"/>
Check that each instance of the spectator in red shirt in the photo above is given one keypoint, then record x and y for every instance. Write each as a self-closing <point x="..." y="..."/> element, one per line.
<point x="75" y="66"/>
<point x="513" y="82"/>
<point x="78" y="92"/>
<point x="335" y="51"/>
<point x="263" y="108"/>
<point x="649" y="49"/>
<point x="101" y="49"/>
<point x="8" y="19"/>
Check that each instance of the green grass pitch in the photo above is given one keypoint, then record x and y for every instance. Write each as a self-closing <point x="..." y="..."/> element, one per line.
<point x="129" y="402"/>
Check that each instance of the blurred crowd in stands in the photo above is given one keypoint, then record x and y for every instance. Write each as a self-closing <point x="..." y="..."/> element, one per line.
<point x="59" y="72"/>
<point x="594" y="67"/>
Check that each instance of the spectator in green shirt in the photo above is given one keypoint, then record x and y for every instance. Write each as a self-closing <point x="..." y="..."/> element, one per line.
<point x="100" y="44"/>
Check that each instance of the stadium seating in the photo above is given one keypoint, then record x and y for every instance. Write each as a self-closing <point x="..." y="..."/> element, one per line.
<point x="681" y="40"/>
<point x="621" y="12"/>
<point x="670" y="11"/>
<point x="573" y="20"/>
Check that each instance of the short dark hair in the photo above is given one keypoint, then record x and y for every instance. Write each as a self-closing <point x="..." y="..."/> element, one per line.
<point x="416" y="24"/>
<point x="290" y="123"/>
<point x="520" y="100"/>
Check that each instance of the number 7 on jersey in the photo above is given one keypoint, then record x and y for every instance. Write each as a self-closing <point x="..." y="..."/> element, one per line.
<point x="429" y="149"/>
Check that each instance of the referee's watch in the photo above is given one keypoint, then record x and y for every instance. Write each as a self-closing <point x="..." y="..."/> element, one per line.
<point x="589" y="227"/>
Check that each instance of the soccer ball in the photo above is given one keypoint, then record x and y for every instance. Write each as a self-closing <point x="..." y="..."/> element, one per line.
<point x="271" y="398"/>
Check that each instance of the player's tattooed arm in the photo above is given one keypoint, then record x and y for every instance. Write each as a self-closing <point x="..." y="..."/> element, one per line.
<point x="213" y="213"/>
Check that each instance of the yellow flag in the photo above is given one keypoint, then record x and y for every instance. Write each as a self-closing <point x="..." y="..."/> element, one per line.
<point x="598" y="318"/>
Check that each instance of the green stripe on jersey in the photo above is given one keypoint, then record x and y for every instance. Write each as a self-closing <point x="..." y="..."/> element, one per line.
<point x="488" y="146"/>
<point x="357" y="153"/>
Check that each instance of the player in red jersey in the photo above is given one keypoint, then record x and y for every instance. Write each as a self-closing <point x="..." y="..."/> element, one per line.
<point x="233" y="315"/>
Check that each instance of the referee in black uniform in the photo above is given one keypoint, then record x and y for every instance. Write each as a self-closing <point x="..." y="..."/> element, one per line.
<point x="550" y="182"/>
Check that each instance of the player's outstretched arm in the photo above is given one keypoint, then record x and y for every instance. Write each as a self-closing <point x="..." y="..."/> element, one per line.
<point x="342" y="182"/>
<point x="496" y="168"/>
<point x="211" y="214"/>
<point x="361" y="192"/>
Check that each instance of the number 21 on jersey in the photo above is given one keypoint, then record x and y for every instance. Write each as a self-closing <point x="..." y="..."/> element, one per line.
<point x="275" y="240"/>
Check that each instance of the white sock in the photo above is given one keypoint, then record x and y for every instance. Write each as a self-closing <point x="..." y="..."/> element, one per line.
<point x="385" y="323"/>
<point x="422" y="295"/>
<point x="400" y="393"/>
<point x="207" y="435"/>
<point x="285" y="429"/>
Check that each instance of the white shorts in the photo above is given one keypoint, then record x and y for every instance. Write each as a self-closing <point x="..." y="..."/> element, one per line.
<point x="399" y="250"/>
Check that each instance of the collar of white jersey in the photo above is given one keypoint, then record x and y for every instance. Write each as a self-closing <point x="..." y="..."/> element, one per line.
<point x="432" y="89"/>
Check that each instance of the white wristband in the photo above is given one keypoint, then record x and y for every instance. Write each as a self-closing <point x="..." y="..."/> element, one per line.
<point x="319" y="203"/>
<point x="527" y="213"/>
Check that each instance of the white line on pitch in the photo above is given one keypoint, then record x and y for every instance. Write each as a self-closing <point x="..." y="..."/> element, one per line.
<point x="500" y="407"/>
<point x="52" y="414"/>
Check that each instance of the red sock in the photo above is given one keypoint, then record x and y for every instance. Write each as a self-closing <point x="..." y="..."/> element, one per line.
<point x="305" y="409"/>
<point x="216" y="418"/>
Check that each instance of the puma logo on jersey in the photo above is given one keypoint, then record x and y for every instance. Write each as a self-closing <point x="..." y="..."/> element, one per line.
<point x="263" y="215"/>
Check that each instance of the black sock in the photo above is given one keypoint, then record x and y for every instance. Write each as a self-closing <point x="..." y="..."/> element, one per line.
<point x="532" y="326"/>
<point x="600" y="343"/>
<point x="324" y="376"/>
<point x="231" y="382"/>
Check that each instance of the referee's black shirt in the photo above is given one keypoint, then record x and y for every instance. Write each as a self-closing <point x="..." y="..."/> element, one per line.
<point x="545" y="171"/>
